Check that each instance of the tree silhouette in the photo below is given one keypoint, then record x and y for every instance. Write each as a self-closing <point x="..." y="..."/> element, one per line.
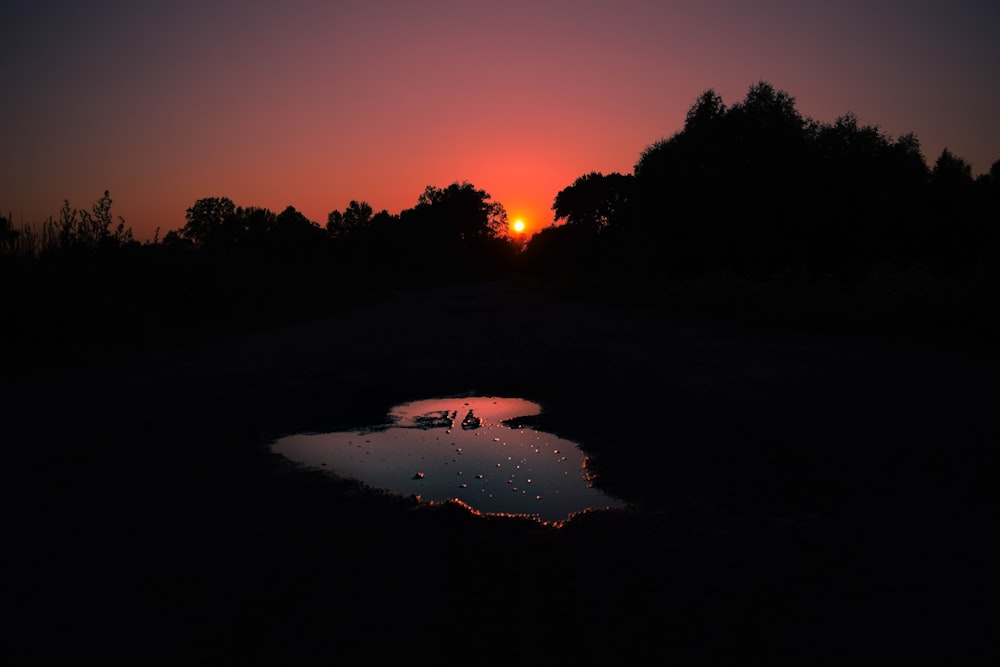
<point x="568" y="248"/>
<point x="206" y="220"/>
<point x="759" y="190"/>
<point x="595" y="201"/>
<point x="251" y="227"/>
<point x="705" y="113"/>
<point x="458" y="229"/>
<point x="955" y="234"/>
<point x="951" y="172"/>
<point x="355" y="218"/>
<point x="458" y="214"/>
<point x="723" y="193"/>
<point x="993" y="175"/>
<point x="9" y="237"/>
<point x="295" y="235"/>
<point x="217" y="224"/>
<point x="862" y="198"/>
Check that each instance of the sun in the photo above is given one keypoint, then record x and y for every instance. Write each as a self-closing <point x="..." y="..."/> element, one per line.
<point x="518" y="226"/>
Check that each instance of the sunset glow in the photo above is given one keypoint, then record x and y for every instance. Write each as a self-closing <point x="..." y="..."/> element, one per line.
<point x="262" y="105"/>
<point x="518" y="226"/>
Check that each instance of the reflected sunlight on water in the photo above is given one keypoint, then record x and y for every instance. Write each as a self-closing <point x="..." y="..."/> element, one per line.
<point x="469" y="449"/>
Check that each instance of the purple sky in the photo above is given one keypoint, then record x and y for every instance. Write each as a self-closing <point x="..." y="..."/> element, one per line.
<point x="312" y="104"/>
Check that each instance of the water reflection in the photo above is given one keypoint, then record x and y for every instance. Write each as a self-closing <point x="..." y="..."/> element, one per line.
<point x="468" y="448"/>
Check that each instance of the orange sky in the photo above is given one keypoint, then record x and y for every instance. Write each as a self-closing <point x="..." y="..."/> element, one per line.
<point x="312" y="104"/>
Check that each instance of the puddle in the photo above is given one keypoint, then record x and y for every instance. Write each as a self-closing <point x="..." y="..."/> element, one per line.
<point x="471" y="449"/>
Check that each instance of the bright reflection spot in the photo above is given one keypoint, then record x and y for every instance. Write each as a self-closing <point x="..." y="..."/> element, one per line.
<point x="468" y="449"/>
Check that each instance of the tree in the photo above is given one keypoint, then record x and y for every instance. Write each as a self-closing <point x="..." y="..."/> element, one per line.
<point x="355" y="218"/>
<point x="206" y="220"/>
<point x="705" y="113"/>
<point x="768" y="111"/>
<point x="294" y="231"/>
<point x="951" y="171"/>
<point x="727" y="192"/>
<point x="458" y="215"/>
<point x="456" y="230"/>
<point x="595" y="201"/>
<point x="251" y="227"/>
<point x="9" y="236"/>
<point x="990" y="182"/>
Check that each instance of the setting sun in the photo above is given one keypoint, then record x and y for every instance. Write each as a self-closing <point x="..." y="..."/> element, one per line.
<point x="518" y="225"/>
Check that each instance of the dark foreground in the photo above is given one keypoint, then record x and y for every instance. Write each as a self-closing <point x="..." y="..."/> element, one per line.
<point x="798" y="498"/>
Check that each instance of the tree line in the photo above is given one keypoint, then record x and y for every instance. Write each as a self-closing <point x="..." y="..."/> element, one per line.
<point x="757" y="190"/>
<point x="753" y="193"/>
<point x="451" y="224"/>
<point x="754" y="190"/>
<point x="80" y="284"/>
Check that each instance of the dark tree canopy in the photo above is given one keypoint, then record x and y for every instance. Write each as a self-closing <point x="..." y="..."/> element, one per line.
<point x="767" y="111"/>
<point x="457" y="229"/>
<point x="705" y="112"/>
<point x="951" y="170"/>
<point x="9" y="236"/>
<point x="206" y="219"/>
<point x="595" y="201"/>
<point x="216" y="223"/>
<point x="458" y="213"/>
<point x="756" y="189"/>
<point x="354" y="219"/>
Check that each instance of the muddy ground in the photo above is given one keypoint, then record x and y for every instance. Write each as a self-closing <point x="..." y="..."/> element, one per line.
<point x="797" y="498"/>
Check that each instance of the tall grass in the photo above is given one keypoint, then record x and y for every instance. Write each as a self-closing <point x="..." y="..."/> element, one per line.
<point x="74" y="229"/>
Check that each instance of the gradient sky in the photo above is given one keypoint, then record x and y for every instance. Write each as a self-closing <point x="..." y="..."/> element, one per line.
<point x="312" y="104"/>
